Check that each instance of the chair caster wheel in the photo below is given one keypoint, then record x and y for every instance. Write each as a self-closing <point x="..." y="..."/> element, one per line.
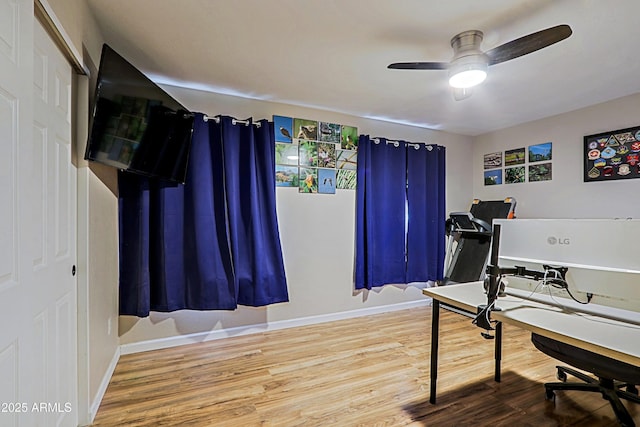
<point x="549" y="395"/>
<point x="561" y="375"/>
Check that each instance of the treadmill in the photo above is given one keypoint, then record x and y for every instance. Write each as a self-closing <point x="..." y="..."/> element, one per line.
<point x="469" y="239"/>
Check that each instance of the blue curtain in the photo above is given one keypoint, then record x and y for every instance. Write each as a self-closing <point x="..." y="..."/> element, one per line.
<point x="425" y="212"/>
<point x="380" y="220"/>
<point x="212" y="243"/>
<point x="400" y="212"/>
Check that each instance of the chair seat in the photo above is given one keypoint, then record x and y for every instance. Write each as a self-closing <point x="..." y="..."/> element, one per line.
<point x="610" y="373"/>
<point x="601" y="366"/>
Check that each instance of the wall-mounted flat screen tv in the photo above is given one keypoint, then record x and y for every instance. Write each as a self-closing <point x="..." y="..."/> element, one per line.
<point x="137" y="126"/>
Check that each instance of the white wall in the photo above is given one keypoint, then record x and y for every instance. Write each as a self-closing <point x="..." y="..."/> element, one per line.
<point x="566" y="195"/>
<point x="317" y="232"/>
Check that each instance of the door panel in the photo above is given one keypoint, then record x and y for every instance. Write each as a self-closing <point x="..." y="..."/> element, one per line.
<point x="56" y="219"/>
<point x="38" y="339"/>
<point x="9" y="380"/>
<point x="39" y="171"/>
<point x="16" y="20"/>
<point x="9" y="24"/>
<point x="39" y="368"/>
<point x="8" y="207"/>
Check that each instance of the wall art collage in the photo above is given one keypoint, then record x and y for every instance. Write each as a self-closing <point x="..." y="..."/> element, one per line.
<point x="519" y="165"/>
<point x="612" y="155"/>
<point x="315" y="157"/>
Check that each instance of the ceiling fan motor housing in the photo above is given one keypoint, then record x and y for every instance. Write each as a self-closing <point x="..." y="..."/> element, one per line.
<point x="469" y="64"/>
<point x="467" y="41"/>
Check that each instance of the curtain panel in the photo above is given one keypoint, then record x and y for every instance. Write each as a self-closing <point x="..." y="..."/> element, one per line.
<point x="212" y="243"/>
<point x="400" y="212"/>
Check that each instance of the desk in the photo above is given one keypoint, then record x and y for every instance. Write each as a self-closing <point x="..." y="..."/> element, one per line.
<point x="597" y="332"/>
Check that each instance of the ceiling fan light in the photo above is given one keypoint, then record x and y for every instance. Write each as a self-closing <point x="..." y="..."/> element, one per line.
<point x="468" y="71"/>
<point x="467" y="79"/>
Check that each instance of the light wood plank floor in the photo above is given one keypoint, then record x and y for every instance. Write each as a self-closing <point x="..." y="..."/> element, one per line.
<point x="368" y="371"/>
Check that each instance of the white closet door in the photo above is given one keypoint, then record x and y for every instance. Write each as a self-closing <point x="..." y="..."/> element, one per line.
<point x="38" y="339"/>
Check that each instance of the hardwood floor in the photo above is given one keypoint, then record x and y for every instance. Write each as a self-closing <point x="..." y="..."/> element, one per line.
<point x="368" y="371"/>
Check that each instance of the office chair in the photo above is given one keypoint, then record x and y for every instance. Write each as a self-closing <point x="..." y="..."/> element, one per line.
<point x="613" y="375"/>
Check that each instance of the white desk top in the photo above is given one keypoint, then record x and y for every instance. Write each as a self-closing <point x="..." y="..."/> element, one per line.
<point x="598" y="333"/>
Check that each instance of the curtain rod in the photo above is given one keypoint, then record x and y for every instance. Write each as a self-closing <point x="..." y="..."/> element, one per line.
<point x="396" y="143"/>
<point x="233" y="121"/>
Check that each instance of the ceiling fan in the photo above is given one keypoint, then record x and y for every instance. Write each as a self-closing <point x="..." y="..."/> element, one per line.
<point x="468" y="67"/>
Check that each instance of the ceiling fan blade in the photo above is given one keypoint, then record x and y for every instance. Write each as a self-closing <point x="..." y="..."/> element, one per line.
<point x="528" y="44"/>
<point x="419" y="66"/>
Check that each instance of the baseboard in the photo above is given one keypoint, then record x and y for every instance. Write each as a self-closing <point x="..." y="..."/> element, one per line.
<point x="95" y="404"/>
<point x="160" y="343"/>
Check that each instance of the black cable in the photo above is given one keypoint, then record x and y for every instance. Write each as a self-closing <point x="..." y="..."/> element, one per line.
<point x="589" y="296"/>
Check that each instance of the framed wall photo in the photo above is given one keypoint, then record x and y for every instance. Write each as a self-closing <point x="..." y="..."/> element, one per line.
<point x="346" y="180"/>
<point x="540" y="172"/>
<point x="540" y="152"/>
<point x="493" y="160"/>
<point x="514" y="175"/>
<point x="286" y="176"/>
<point x="283" y="128"/>
<point x="514" y="157"/>
<point x="493" y="177"/>
<point x="612" y="155"/>
<point x="327" y="181"/>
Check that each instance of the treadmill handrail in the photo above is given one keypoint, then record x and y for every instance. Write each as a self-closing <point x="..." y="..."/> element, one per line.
<point x="466" y="222"/>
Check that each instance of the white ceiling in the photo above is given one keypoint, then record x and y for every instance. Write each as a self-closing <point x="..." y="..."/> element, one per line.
<point x="333" y="54"/>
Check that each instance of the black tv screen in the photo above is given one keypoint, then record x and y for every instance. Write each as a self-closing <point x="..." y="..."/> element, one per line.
<point x="137" y="126"/>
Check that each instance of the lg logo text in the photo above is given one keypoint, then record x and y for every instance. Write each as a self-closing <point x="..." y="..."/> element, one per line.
<point x="558" y="240"/>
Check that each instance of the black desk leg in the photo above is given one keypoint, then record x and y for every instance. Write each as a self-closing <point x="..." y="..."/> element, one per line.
<point x="435" y="326"/>
<point x="498" y="350"/>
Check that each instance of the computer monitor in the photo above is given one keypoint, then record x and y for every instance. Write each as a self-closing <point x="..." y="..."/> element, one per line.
<point x="601" y="255"/>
